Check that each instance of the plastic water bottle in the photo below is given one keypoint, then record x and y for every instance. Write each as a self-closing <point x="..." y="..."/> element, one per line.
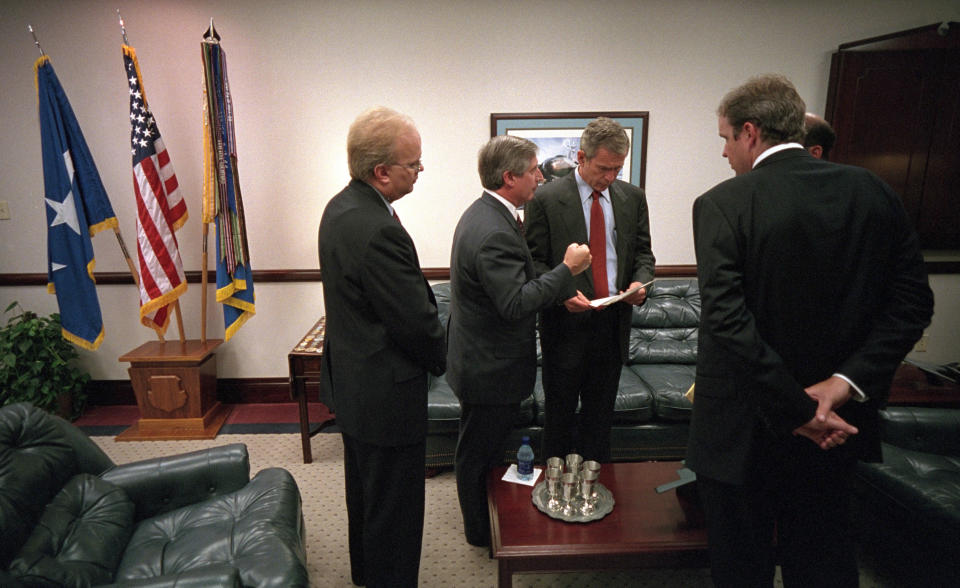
<point x="525" y="460"/>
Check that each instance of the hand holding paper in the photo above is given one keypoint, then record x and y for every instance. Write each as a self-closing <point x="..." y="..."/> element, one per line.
<point x="604" y="302"/>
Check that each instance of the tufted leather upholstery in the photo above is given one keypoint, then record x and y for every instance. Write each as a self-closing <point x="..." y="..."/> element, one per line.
<point x="70" y="517"/>
<point x="914" y="495"/>
<point x="651" y="415"/>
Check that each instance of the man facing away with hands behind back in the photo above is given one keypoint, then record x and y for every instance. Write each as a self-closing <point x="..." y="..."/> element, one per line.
<point x="813" y="290"/>
<point x="584" y="349"/>
<point x="495" y="295"/>
<point x="382" y="337"/>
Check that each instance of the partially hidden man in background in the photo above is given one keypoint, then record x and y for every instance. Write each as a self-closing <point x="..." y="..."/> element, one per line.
<point x="813" y="290"/>
<point x="382" y="337"/>
<point x="584" y="349"/>
<point x="494" y="298"/>
<point x="819" y="136"/>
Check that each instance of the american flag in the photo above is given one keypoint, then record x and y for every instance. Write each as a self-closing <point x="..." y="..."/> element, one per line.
<point x="160" y="207"/>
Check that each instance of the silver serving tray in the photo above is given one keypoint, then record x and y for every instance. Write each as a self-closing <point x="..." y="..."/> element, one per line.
<point x="603" y="507"/>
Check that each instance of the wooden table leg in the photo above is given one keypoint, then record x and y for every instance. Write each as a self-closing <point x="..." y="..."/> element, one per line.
<point x="505" y="578"/>
<point x="304" y="426"/>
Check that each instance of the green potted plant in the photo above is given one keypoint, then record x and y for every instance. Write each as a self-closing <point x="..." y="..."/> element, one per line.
<point x="37" y="364"/>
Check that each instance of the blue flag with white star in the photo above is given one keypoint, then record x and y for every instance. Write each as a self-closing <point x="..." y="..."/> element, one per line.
<point x="77" y="208"/>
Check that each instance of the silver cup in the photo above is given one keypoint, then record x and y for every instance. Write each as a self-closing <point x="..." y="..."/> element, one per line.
<point x="591" y="465"/>
<point x="552" y="477"/>
<point x="588" y="490"/>
<point x="574" y="461"/>
<point x="568" y="486"/>
<point x="555" y="462"/>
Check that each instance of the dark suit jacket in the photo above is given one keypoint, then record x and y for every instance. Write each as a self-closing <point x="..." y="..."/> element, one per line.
<point x="382" y="331"/>
<point x="494" y="299"/>
<point x="806" y="268"/>
<point x="554" y="219"/>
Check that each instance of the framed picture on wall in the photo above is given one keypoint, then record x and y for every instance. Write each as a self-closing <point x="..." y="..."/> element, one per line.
<point x="557" y="134"/>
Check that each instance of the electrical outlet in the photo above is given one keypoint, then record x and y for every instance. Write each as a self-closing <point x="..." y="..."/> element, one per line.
<point x="921" y="345"/>
<point x="4" y="210"/>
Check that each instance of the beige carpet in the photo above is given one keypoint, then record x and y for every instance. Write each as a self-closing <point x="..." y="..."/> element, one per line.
<point x="447" y="558"/>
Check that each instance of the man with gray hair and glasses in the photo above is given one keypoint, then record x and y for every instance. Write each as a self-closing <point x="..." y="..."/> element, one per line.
<point x="382" y="338"/>
<point x="494" y="298"/>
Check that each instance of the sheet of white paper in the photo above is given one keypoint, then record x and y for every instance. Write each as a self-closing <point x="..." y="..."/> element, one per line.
<point x="511" y="476"/>
<point x="598" y="302"/>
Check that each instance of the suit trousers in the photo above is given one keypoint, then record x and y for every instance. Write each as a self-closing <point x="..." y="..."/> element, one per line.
<point x="385" y="506"/>
<point x="794" y="509"/>
<point x="484" y="429"/>
<point x="581" y="366"/>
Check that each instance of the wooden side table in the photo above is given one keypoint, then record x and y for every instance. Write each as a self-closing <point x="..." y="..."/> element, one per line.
<point x="176" y="388"/>
<point x="914" y="387"/>
<point x="304" y="360"/>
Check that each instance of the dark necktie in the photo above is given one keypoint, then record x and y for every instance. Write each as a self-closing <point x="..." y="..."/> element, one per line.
<point x="520" y="225"/>
<point x="397" y="217"/>
<point x="598" y="248"/>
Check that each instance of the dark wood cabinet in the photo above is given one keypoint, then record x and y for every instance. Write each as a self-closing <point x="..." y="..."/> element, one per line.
<point x="894" y="102"/>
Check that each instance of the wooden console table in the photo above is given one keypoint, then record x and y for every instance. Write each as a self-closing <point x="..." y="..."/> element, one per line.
<point x="304" y="360"/>
<point x="176" y="388"/>
<point x="914" y="387"/>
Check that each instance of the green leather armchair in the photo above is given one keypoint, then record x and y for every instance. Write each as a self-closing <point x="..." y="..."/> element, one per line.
<point x="69" y="516"/>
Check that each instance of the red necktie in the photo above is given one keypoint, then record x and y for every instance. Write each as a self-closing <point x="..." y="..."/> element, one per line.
<point x="397" y="217"/>
<point x="520" y="224"/>
<point x="598" y="248"/>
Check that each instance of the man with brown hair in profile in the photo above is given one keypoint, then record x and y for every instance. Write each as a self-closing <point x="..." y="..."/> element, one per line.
<point x="813" y="289"/>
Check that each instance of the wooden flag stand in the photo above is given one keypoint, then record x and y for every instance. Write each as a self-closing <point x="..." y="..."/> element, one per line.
<point x="176" y="388"/>
<point x="175" y="383"/>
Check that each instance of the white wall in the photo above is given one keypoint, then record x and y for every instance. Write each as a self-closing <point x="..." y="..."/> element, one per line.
<point x="300" y="72"/>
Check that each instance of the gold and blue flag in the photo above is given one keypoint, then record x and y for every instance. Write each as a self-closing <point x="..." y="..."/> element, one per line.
<point x="77" y="208"/>
<point x="222" y="202"/>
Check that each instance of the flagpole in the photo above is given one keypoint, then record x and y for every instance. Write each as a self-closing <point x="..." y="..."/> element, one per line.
<point x="203" y="285"/>
<point x="123" y="247"/>
<point x="210" y="36"/>
<point x="35" y="40"/>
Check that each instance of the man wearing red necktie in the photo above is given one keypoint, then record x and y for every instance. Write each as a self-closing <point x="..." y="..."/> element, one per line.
<point x="584" y="349"/>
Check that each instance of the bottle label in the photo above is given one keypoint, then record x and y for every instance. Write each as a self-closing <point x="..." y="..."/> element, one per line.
<point x="525" y="468"/>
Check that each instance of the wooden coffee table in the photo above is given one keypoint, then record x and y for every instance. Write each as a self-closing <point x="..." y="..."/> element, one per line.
<point x="645" y="529"/>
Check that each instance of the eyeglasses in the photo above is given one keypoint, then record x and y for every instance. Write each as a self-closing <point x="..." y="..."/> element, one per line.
<point x="415" y="166"/>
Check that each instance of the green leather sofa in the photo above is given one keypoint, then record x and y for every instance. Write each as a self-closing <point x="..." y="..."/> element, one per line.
<point x="69" y="516"/>
<point x="651" y="417"/>
<point x="908" y="507"/>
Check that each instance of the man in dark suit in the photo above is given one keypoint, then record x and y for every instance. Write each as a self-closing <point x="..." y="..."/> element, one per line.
<point x="494" y="299"/>
<point x="813" y="290"/>
<point x="382" y="337"/>
<point x="819" y="136"/>
<point x="584" y="349"/>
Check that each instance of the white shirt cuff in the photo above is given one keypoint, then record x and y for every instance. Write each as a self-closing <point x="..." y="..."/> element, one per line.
<point x="855" y="390"/>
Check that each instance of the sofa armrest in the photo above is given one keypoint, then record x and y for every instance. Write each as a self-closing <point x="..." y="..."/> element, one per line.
<point x="930" y="430"/>
<point x="8" y="581"/>
<point x="162" y="484"/>
<point x="212" y="576"/>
